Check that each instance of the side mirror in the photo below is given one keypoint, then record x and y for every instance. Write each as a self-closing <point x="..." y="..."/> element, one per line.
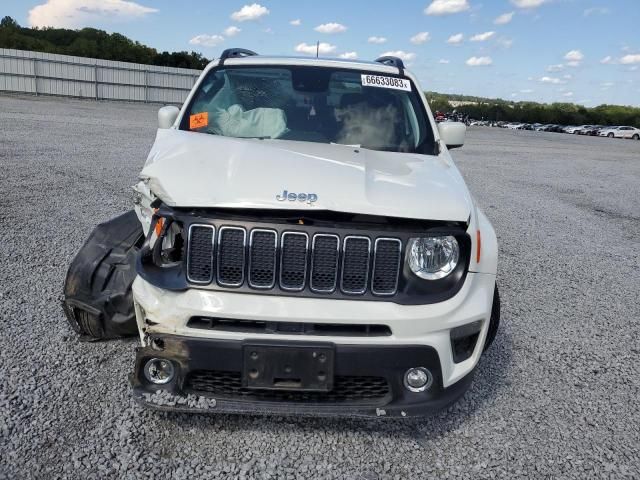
<point x="167" y="116"/>
<point x="452" y="133"/>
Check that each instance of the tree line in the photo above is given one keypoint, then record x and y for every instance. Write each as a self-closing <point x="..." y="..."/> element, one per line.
<point x="532" y="112"/>
<point x="93" y="43"/>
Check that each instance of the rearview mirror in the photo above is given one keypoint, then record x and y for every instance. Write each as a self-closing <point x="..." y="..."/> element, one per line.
<point x="167" y="116"/>
<point x="452" y="133"/>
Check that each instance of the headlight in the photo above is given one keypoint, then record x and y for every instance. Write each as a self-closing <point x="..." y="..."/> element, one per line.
<point x="432" y="258"/>
<point x="165" y="242"/>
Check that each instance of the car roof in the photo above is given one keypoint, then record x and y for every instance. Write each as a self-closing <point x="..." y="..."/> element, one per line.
<point x="309" y="61"/>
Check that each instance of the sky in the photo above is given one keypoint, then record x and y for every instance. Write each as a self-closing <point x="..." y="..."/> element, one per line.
<point x="580" y="51"/>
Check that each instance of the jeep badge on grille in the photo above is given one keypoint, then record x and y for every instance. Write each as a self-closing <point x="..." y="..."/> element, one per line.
<point x="308" y="198"/>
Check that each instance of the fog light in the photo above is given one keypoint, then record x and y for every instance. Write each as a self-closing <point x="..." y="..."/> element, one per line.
<point x="159" y="371"/>
<point x="418" y="379"/>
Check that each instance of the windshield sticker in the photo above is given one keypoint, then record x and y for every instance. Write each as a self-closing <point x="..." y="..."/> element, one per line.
<point x="386" y="82"/>
<point x="198" y="120"/>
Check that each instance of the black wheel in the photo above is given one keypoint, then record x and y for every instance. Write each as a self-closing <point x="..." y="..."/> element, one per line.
<point x="636" y="136"/>
<point x="494" y="321"/>
<point x="610" y="135"/>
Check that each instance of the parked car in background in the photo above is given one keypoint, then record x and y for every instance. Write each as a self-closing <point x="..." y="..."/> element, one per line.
<point x="631" y="133"/>
<point x="584" y="129"/>
<point x="593" y="130"/>
<point x="553" y="128"/>
<point x="571" y="129"/>
<point x="615" y="132"/>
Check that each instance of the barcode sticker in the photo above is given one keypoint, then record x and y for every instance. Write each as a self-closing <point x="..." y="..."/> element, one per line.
<point x="386" y="82"/>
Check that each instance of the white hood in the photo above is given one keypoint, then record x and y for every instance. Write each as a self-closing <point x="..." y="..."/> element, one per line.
<point x="186" y="169"/>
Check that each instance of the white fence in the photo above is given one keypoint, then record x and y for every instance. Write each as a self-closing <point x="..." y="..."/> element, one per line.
<point x="51" y="74"/>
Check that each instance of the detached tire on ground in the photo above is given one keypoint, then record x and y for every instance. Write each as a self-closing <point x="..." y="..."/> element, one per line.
<point x="98" y="301"/>
<point x="494" y="322"/>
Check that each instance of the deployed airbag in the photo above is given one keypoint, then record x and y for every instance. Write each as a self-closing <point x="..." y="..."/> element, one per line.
<point x="259" y="122"/>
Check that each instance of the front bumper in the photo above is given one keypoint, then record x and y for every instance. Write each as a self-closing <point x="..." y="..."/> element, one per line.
<point x="368" y="381"/>
<point x="162" y="312"/>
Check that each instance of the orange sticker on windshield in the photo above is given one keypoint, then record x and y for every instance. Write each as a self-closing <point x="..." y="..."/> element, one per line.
<point x="198" y="120"/>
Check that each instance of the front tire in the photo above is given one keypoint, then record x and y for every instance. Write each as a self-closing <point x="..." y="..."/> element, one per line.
<point x="636" y="136"/>
<point x="494" y="321"/>
<point x="610" y="135"/>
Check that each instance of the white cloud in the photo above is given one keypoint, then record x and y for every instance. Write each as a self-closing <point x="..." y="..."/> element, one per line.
<point x="482" y="37"/>
<point x="552" y="80"/>
<point x="567" y="94"/>
<point x="331" y="28"/>
<point x="526" y="90"/>
<point x="205" y="40"/>
<point x="567" y="76"/>
<point x="82" y="13"/>
<point x="555" y="68"/>
<point x="606" y="85"/>
<point x="528" y="3"/>
<point x="479" y="61"/>
<point x="630" y="59"/>
<point x="444" y="61"/>
<point x="323" y="48"/>
<point x="607" y="60"/>
<point x="377" y="40"/>
<point x="250" y="12"/>
<point x="446" y="7"/>
<point x="406" y="56"/>
<point x="596" y="10"/>
<point x="420" y="38"/>
<point x="505" y="42"/>
<point x="349" y="55"/>
<point x="456" y="39"/>
<point x="504" y="18"/>
<point x="574" y="56"/>
<point x="296" y="23"/>
<point x="232" y="31"/>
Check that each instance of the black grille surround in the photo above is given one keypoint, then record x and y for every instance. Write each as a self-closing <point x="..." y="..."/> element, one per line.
<point x="200" y="261"/>
<point x="257" y="265"/>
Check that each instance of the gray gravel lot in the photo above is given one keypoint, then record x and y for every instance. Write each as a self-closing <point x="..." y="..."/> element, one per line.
<point x="557" y="396"/>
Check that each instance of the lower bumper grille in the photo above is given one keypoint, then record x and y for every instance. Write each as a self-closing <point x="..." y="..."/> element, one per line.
<point x="346" y="389"/>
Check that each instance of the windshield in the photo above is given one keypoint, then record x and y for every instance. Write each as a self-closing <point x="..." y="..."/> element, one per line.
<point x="312" y="104"/>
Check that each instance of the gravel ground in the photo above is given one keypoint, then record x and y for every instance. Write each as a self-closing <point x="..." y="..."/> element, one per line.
<point x="555" y="397"/>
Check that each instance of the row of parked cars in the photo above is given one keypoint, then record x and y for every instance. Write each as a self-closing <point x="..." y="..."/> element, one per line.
<point x="592" y="130"/>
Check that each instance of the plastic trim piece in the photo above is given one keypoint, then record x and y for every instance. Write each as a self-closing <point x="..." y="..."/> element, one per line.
<point x="344" y="254"/>
<point x="335" y="280"/>
<point x="275" y="258"/>
<point x="213" y="244"/>
<point x="306" y="261"/>
<point x="375" y="254"/>
<point x="244" y="256"/>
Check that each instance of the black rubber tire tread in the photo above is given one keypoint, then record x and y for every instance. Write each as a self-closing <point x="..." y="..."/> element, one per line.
<point x="89" y="326"/>
<point x="494" y="321"/>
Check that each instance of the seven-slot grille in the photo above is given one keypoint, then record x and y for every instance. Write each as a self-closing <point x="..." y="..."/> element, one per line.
<point x="292" y="260"/>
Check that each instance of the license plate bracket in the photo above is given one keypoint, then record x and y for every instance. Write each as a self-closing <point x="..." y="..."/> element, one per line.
<point x="284" y="367"/>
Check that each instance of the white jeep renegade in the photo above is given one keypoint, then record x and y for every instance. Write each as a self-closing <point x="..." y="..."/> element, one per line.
<point x="307" y="247"/>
